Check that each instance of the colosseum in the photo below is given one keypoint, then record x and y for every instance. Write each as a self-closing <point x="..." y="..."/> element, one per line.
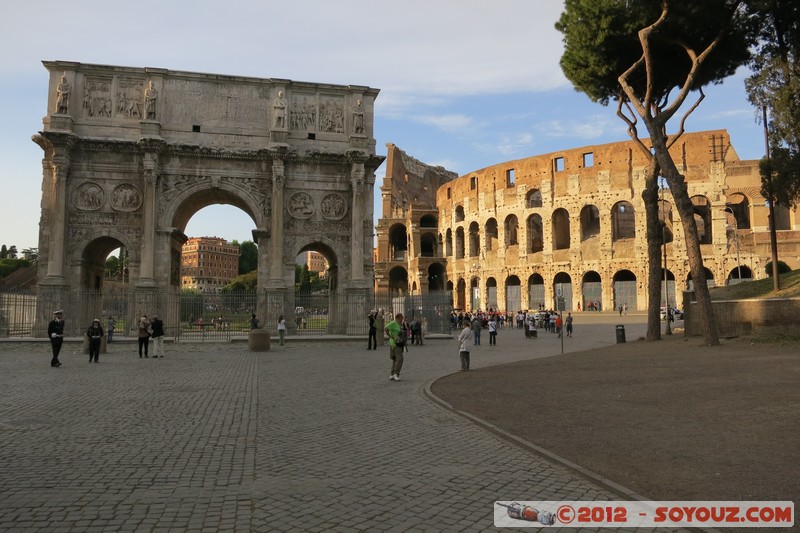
<point x="571" y="224"/>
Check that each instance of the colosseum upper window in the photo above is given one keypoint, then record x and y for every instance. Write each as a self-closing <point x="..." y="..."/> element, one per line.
<point x="510" y="229"/>
<point x="510" y="177"/>
<point x="702" y="218"/>
<point x="558" y="164"/>
<point x="560" y="229"/>
<point x="533" y="198"/>
<point x="590" y="222"/>
<point x="473" y="182"/>
<point x="739" y="208"/>
<point x="623" y="221"/>
<point x="460" y="213"/>
<point x="491" y="235"/>
<point x="588" y="160"/>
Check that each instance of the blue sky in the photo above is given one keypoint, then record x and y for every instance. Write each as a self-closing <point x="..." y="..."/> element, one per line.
<point x="464" y="83"/>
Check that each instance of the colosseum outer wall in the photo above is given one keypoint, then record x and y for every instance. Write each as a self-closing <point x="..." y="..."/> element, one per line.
<point x="518" y="234"/>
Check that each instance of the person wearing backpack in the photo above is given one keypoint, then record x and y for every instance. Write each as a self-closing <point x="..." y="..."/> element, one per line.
<point x="397" y="344"/>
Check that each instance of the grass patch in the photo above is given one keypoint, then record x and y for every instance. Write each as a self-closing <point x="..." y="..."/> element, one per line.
<point x="762" y="288"/>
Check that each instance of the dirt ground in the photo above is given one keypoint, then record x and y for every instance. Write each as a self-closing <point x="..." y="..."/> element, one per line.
<point x="670" y="420"/>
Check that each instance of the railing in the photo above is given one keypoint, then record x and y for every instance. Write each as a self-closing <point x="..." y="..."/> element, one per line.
<point x="217" y="317"/>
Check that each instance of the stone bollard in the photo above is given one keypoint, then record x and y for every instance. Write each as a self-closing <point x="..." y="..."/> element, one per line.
<point x="258" y="340"/>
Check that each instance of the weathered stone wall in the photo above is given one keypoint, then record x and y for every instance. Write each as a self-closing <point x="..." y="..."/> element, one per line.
<point x="737" y="317"/>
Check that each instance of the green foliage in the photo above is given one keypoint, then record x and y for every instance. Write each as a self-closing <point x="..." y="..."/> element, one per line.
<point x="243" y="283"/>
<point x="3" y="252"/>
<point x="248" y="257"/>
<point x="775" y="85"/>
<point x="9" y="265"/>
<point x="191" y="304"/>
<point x="783" y="268"/>
<point x="601" y="43"/>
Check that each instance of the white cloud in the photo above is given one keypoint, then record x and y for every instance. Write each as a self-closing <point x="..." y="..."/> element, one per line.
<point x="449" y="123"/>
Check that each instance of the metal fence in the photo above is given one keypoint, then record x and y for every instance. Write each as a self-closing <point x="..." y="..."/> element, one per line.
<point x="213" y="317"/>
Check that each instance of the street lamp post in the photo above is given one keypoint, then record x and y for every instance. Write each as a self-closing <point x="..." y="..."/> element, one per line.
<point x="736" y="237"/>
<point x="668" y="329"/>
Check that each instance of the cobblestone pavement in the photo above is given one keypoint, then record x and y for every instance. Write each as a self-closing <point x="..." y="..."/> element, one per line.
<point x="310" y="436"/>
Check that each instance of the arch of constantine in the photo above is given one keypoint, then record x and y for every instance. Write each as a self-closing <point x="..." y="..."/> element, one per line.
<point x="519" y="234"/>
<point x="131" y="154"/>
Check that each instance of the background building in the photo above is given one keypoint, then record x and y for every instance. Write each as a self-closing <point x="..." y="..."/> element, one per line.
<point x="518" y="234"/>
<point x="208" y="263"/>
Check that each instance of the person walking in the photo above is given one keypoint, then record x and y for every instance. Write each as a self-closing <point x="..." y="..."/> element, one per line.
<point x="568" y="322"/>
<point x="55" y="330"/>
<point x="157" y="327"/>
<point x="144" y="336"/>
<point x="372" y="341"/>
<point x="492" y="325"/>
<point x="111" y="325"/>
<point x="281" y="328"/>
<point x="558" y="325"/>
<point x="463" y="346"/>
<point x="397" y="343"/>
<point x="476" y="330"/>
<point x="94" y="334"/>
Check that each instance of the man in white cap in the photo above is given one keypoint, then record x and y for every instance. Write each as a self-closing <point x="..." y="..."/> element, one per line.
<point x="95" y="334"/>
<point x="55" y="330"/>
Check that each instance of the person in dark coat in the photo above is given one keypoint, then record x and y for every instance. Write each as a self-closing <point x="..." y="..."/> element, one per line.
<point x="95" y="334"/>
<point x="55" y="330"/>
<point x="157" y="326"/>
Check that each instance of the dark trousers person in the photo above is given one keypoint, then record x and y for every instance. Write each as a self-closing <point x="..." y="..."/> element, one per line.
<point x="493" y="337"/>
<point x="144" y="342"/>
<point x="56" y="343"/>
<point x="94" y="350"/>
<point x="372" y="342"/>
<point x="464" y="360"/>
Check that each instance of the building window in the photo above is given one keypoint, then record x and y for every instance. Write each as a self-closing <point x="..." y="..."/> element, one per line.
<point x="510" y="177"/>
<point x="558" y="164"/>
<point x="588" y="160"/>
<point x="449" y="194"/>
<point x="473" y="182"/>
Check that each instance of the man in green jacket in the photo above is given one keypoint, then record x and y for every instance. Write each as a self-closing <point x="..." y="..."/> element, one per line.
<point x="397" y="336"/>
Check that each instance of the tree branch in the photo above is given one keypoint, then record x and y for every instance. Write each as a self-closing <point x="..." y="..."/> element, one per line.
<point x="632" y="130"/>
<point x="671" y="141"/>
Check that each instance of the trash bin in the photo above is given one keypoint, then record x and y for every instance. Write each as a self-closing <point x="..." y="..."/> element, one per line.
<point x="620" y="333"/>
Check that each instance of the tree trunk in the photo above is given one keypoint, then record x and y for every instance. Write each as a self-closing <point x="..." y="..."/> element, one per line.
<point x="654" y="239"/>
<point x="683" y="204"/>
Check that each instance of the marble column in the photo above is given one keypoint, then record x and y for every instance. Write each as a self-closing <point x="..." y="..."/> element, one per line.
<point x="147" y="265"/>
<point x="58" y="205"/>
<point x="357" y="225"/>
<point x="276" y="230"/>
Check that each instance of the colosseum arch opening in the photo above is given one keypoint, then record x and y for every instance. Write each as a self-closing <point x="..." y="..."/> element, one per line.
<point x="491" y="235"/>
<point x="437" y="277"/>
<point x="702" y="218"/>
<point x="625" y="287"/>
<point x="398" y="281"/>
<point x="448" y="243"/>
<point x="709" y="279"/>
<point x="510" y="229"/>
<point x="535" y="234"/>
<point x="738" y="207"/>
<point x="459" y="243"/>
<point x="533" y="198"/>
<point x="398" y="242"/>
<point x="460" y="213"/>
<point x="513" y="294"/>
<point x="590" y="222"/>
<point x="535" y="291"/>
<point x="623" y="221"/>
<point x="591" y="291"/>
<point x="474" y="294"/>
<point x="561" y="229"/>
<point x="491" y="294"/>
<point x="428" y="245"/>
<point x="562" y="288"/>
<point x="474" y="239"/>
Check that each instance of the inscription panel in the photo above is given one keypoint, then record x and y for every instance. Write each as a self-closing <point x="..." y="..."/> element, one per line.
<point x="194" y="102"/>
